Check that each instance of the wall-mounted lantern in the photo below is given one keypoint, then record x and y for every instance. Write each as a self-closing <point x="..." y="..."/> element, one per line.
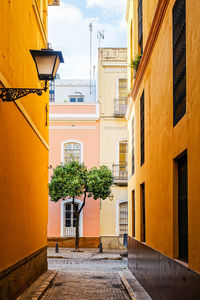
<point x="47" y="62"/>
<point x="111" y="197"/>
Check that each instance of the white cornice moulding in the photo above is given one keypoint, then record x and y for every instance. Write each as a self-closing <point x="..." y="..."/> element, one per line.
<point x="73" y="128"/>
<point x="115" y="64"/>
<point x="63" y="117"/>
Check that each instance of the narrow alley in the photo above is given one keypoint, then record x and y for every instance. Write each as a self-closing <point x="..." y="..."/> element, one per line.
<point x="99" y="150"/>
<point x="87" y="274"/>
<point x="90" y="275"/>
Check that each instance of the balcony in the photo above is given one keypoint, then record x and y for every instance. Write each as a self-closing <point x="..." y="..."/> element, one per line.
<point x="120" y="105"/>
<point x="120" y="174"/>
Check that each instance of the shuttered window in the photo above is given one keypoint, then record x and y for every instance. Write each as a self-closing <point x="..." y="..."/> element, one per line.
<point x="122" y="87"/>
<point x="123" y="218"/>
<point x="123" y="152"/>
<point x="179" y="61"/>
<point x="140" y="25"/>
<point x="133" y="150"/>
<point x="142" y="128"/>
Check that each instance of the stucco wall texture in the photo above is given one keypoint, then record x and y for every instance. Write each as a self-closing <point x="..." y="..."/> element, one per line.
<point x="112" y="66"/>
<point x="86" y="132"/>
<point x="163" y="142"/>
<point x="24" y="136"/>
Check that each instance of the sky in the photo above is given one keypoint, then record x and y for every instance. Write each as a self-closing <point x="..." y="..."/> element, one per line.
<point x="68" y="31"/>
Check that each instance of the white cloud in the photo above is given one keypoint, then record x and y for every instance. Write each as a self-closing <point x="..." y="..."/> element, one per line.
<point x="113" y="6"/>
<point x="69" y="32"/>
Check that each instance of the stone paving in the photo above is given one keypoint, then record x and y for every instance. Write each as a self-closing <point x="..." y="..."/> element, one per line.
<point x="80" y="277"/>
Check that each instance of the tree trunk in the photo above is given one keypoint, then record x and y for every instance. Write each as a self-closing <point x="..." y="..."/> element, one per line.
<point x="77" y="232"/>
<point x="77" y="221"/>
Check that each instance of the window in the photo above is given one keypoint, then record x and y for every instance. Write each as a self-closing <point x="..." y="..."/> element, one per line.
<point x="143" y="225"/>
<point x="72" y="151"/>
<point x="140" y="26"/>
<point x="70" y="219"/>
<point x="179" y="61"/>
<point x="122" y="87"/>
<point x="51" y="91"/>
<point x="123" y="152"/>
<point x="182" y="208"/>
<point x="133" y="213"/>
<point x="123" y="218"/>
<point x="76" y="98"/>
<point x="133" y="150"/>
<point x="142" y="128"/>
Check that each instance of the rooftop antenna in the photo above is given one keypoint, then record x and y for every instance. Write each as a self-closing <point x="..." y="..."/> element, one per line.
<point x="100" y="36"/>
<point x="90" y="28"/>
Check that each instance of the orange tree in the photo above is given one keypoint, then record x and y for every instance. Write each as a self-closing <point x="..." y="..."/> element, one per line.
<point x="72" y="180"/>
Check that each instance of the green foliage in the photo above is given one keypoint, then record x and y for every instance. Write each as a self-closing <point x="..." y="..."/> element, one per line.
<point x="99" y="182"/>
<point x="135" y="62"/>
<point x="68" y="180"/>
<point x="73" y="179"/>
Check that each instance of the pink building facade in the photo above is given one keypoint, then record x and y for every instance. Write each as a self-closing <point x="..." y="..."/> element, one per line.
<point x="74" y="130"/>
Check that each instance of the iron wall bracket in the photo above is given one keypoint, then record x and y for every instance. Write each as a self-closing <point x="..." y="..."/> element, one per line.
<point x="9" y="94"/>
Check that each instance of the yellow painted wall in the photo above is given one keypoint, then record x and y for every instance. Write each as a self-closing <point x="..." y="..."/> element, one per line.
<point x="112" y="66"/>
<point x="23" y="135"/>
<point x="22" y="26"/>
<point x="109" y="139"/>
<point x="163" y="142"/>
<point x="149" y="8"/>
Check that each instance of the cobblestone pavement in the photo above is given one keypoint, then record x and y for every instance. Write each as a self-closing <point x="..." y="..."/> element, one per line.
<point x="81" y="279"/>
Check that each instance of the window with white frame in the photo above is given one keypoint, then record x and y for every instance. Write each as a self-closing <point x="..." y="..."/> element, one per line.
<point x="123" y="218"/>
<point x="75" y="98"/>
<point x="72" y="152"/>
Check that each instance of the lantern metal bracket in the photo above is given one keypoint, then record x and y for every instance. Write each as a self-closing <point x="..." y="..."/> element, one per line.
<point x="12" y="94"/>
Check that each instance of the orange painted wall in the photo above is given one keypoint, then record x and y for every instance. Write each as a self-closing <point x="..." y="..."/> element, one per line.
<point x="163" y="142"/>
<point x="23" y="155"/>
<point x="90" y="140"/>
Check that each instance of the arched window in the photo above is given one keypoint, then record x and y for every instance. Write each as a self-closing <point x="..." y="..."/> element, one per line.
<point x="72" y="151"/>
<point x="123" y="218"/>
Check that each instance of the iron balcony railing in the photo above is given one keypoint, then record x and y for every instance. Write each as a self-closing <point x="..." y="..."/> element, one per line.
<point x="120" y="174"/>
<point x="120" y="105"/>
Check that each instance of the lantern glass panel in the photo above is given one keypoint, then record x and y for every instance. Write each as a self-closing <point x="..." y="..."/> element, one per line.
<point x="45" y="65"/>
<point x="56" y="66"/>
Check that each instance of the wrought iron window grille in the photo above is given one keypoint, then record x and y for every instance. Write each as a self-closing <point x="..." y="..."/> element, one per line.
<point x="142" y="133"/>
<point x="179" y="61"/>
<point x="140" y="25"/>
